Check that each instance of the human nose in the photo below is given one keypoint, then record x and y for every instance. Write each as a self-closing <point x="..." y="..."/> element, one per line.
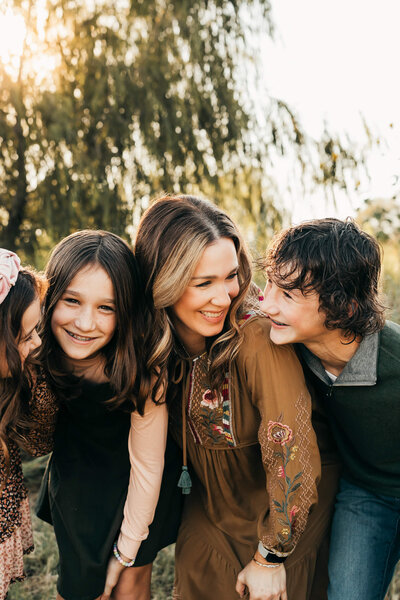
<point x="268" y="305"/>
<point x="84" y="319"/>
<point x="36" y="340"/>
<point x="222" y="296"/>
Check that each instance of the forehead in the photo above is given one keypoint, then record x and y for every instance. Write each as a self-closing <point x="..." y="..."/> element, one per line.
<point x="92" y="280"/>
<point x="221" y="254"/>
<point x="298" y="285"/>
<point x="289" y="276"/>
<point x="92" y="270"/>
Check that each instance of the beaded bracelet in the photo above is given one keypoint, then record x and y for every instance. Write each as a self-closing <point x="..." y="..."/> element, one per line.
<point x="260" y="564"/>
<point x="119" y="558"/>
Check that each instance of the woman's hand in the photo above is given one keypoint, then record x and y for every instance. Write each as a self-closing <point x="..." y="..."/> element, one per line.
<point x="262" y="583"/>
<point x="114" y="570"/>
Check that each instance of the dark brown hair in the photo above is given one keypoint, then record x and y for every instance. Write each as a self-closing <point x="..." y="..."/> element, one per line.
<point x="338" y="261"/>
<point x="171" y="238"/>
<point x="124" y="353"/>
<point x="14" y="388"/>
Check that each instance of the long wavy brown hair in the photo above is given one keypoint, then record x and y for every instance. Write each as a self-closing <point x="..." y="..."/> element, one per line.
<point x="125" y="366"/>
<point x="15" y="385"/>
<point x="172" y="235"/>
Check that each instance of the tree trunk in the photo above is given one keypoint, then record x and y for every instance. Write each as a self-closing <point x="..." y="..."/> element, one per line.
<point x="11" y="231"/>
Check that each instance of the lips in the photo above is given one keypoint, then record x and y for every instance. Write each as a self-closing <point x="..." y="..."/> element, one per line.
<point x="277" y="323"/>
<point x="212" y="315"/>
<point x="79" y="338"/>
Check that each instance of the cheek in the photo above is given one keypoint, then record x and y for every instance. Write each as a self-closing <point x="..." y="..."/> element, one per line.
<point x="179" y="311"/>
<point x="235" y="289"/>
<point x="189" y="301"/>
<point x="56" y="323"/>
<point x="24" y="351"/>
<point x="56" y="317"/>
<point x="109" y="325"/>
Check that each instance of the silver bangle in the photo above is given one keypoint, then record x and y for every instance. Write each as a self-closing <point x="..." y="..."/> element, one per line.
<point x="260" y="564"/>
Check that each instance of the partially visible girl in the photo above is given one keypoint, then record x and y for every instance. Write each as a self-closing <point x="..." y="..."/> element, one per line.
<point x="94" y="355"/>
<point x="22" y="423"/>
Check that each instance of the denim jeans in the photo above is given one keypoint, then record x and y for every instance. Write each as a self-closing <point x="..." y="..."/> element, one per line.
<point x="365" y="544"/>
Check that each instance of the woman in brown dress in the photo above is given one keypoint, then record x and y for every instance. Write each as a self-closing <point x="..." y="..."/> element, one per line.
<point x="239" y="408"/>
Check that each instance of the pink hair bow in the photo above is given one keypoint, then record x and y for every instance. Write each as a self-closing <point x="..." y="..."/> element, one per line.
<point x="9" y="268"/>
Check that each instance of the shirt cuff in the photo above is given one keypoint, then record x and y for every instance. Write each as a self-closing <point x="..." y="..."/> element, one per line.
<point x="127" y="546"/>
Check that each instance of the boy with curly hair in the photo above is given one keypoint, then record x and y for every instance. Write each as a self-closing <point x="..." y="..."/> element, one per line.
<point x="323" y="295"/>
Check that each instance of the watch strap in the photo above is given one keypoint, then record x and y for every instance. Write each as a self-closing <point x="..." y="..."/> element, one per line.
<point x="269" y="556"/>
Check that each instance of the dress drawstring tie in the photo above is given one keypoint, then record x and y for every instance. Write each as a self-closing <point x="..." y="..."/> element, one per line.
<point x="185" y="481"/>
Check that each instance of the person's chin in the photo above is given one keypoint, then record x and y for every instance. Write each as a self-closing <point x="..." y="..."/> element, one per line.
<point x="75" y="353"/>
<point x="280" y="337"/>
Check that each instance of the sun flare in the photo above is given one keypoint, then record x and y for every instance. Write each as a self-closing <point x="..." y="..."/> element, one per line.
<point x="24" y="52"/>
<point x="12" y="35"/>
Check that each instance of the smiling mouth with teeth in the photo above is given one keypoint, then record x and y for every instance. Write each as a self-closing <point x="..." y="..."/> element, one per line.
<point x="212" y="315"/>
<point x="277" y="322"/>
<point x="80" y="338"/>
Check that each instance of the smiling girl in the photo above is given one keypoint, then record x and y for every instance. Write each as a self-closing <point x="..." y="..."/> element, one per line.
<point x="240" y="410"/>
<point x="93" y="353"/>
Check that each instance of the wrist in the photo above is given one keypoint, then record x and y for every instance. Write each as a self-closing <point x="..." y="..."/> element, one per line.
<point x="121" y="558"/>
<point x="124" y="557"/>
<point x="266" y="565"/>
<point x="260" y="559"/>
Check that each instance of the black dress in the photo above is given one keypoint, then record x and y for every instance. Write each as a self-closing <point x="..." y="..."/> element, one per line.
<point x="84" y="490"/>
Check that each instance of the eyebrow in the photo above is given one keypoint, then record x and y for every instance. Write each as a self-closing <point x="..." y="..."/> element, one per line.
<point x="214" y="276"/>
<point x="77" y="294"/>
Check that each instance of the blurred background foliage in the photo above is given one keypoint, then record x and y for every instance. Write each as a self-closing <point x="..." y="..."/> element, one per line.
<point x="112" y="103"/>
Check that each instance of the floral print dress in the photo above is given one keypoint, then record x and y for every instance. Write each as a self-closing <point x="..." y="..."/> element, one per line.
<point x="254" y="462"/>
<point x="15" y="522"/>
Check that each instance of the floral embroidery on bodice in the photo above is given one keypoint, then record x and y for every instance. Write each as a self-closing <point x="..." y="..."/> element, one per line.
<point x="209" y="416"/>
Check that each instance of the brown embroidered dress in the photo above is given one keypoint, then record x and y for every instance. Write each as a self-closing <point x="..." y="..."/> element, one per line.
<point x="254" y="464"/>
<point x="15" y="523"/>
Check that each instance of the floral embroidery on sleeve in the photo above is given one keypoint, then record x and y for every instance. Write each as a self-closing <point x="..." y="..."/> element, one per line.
<point x="281" y="435"/>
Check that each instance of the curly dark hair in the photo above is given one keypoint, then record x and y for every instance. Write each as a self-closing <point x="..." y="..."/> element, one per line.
<point x="338" y="261"/>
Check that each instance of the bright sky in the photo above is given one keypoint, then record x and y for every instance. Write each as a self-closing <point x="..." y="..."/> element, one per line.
<point x="336" y="61"/>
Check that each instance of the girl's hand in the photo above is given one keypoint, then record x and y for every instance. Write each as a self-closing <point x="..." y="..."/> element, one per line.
<point x="114" y="571"/>
<point x="262" y="583"/>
